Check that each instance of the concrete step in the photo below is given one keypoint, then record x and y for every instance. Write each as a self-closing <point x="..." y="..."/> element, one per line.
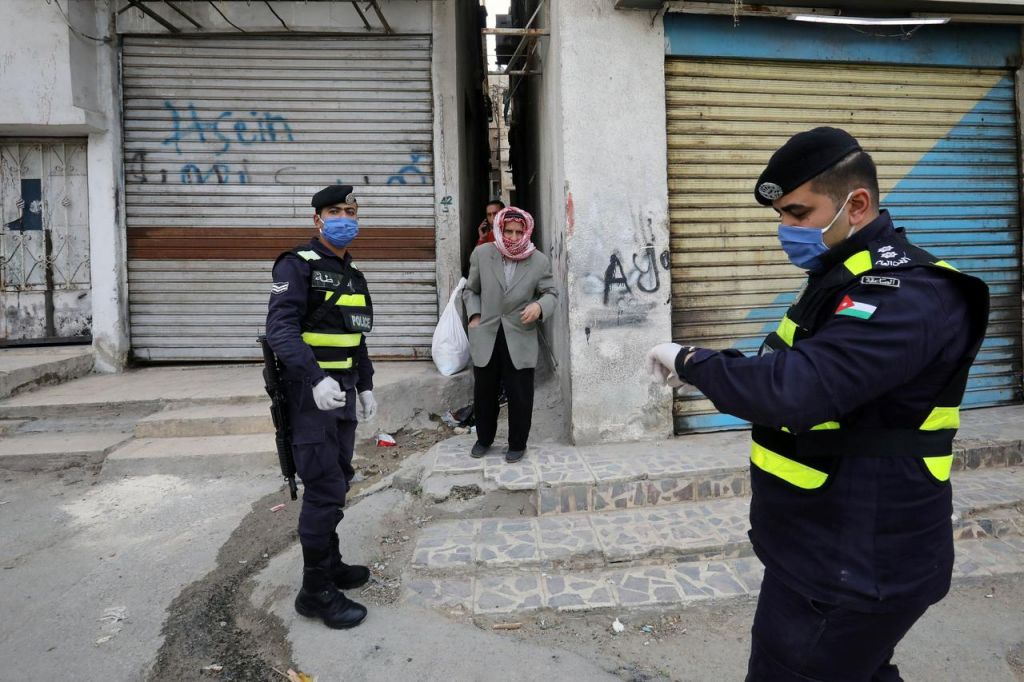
<point x="407" y="393"/>
<point x="142" y="391"/>
<point x="55" y="451"/>
<point x="192" y="456"/>
<point x="671" y="585"/>
<point x="986" y="503"/>
<point x="564" y="479"/>
<point x="25" y="368"/>
<point x="207" y="420"/>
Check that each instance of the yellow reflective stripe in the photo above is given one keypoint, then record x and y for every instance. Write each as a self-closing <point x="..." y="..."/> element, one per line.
<point x="942" y="418"/>
<point x="793" y="472"/>
<point x="824" y="426"/>
<point x="944" y="264"/>
<point x="786" y="330"/>
<point x="348" y="299"/>
<point x="859" y="262"/>
<point x="939" y="466"/>
<point x="309" y="255"/>
<point x="332" y="340"/>
<point x="338" y="364"/>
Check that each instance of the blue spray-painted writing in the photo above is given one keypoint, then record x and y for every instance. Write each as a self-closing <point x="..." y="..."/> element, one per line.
<point x="224" y="129"/>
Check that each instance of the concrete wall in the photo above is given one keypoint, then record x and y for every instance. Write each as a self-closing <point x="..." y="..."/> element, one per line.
<point x="604" y="94"/>
<point x="37" y="54"/>
<point x="58" y="82"/>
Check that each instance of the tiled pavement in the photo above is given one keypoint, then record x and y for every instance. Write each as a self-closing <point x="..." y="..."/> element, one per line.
<point x="564" y="479"/>
<point x="656" y="556"/>
<point x="703" y="530"/>
<point x="656" y="524"/>
<point x="652" y="586"/>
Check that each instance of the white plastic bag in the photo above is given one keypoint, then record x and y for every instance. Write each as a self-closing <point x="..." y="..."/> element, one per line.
<point x="450" y="346"/>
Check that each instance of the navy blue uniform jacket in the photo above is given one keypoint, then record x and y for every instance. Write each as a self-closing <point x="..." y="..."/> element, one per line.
<point x="883" y="540"/>
<point x="285" y="313"/>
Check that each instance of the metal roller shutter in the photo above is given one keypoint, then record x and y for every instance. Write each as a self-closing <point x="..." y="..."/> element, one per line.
<point x="227" y="138"/>
<point x="944" y="140"/>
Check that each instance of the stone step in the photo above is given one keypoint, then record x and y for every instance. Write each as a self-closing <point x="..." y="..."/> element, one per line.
<point x="565" y="479"/>
<point x="984" y="505"/>
<point x="672" y="585"/>
<point x="25" y="368"/>
<point x="192" y="456"/>
<point x="207" y="420"/>
<point x="36" y="452"/>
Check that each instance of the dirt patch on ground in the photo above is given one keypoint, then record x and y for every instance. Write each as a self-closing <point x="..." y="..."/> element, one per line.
<point x="1016" y="660"/>
<point x="373" y="462"/>
<point x="213" y="621"/>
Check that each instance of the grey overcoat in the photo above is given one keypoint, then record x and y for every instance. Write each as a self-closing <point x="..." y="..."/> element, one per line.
<point x="486" y="295"/>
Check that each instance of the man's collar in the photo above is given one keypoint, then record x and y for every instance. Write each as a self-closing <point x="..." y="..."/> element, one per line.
<point x="858" y="241"/>
<point x="325" y="250"/>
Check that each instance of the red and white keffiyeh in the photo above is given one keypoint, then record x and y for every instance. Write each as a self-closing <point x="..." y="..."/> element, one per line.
<point x="518" y="250"/>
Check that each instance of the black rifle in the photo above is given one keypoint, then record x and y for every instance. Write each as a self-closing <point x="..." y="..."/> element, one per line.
<point x="279" y="411"/>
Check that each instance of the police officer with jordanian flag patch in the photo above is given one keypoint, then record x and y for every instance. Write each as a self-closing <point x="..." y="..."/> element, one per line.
<point x="319" y="311"/>
<point x="854" y="401"/>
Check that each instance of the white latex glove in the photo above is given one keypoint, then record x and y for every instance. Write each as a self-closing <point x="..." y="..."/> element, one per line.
<point x="661" y="364"/>
<point x="328" y="394"/>
<point x="367" y="407"/>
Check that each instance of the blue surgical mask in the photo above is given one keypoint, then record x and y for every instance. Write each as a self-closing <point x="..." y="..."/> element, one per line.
<point x="339" y="232"/>
<point x="806" y="245"/>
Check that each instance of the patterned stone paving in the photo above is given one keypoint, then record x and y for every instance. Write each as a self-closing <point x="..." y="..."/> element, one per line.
<point x="983" y="502"/>
<point x="668" y="585"/>
<point x="581" y="540"/>
<point x="662" y="524"/>
<point x="566" y="480"/>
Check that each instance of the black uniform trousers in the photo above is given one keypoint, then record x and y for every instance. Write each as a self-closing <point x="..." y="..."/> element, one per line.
<point x="323" y="442"/>
<point x="487" y="382"/>
<point x="796" y="639"/>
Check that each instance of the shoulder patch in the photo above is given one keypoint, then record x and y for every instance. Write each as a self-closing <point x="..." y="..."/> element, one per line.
<point x="858" y="309"/>
<point x="887" y="256"/>
<point x="876" y="281"/>
<point x="279" y="287"/>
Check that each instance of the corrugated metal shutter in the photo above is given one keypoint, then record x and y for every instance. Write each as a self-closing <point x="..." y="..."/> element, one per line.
<point x="226" y="140"/>
<point x="944" y="140"/>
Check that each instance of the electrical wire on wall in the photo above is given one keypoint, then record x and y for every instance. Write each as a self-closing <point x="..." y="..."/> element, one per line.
<point x="67" y="20"/>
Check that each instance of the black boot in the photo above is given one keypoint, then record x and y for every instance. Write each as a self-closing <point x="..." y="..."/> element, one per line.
<point x="319" y="598"/>
<point x="345" y="577"/>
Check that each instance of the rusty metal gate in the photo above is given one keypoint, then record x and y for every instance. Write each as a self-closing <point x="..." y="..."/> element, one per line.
<point x="44" y="242"/>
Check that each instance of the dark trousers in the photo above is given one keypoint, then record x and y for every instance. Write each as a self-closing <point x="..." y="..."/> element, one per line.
<point x="796" y="639"/>
<point x="487" y="382"/>
<point x="322" y="444"/>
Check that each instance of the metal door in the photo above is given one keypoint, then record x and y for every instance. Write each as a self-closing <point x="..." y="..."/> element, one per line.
<point x="44" y="242"/>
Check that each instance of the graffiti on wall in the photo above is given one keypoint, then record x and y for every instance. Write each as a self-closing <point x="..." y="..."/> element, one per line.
<point x="218" y="133"/>
<point x="631" y="281"/>
<point x="406" y="174"/>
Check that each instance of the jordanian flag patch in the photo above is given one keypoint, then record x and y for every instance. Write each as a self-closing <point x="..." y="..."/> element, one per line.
<point x="852" y="308"/>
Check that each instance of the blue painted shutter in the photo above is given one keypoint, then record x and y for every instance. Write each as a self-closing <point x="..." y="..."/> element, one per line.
<point x="944" y="140"/>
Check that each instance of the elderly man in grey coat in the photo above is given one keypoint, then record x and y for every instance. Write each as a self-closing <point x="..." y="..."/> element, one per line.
<point x="509" y="291"/>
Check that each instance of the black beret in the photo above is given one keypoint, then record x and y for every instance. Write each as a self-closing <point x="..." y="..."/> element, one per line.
<point x="804" y="156"/>
<point x="335" y="194"/>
